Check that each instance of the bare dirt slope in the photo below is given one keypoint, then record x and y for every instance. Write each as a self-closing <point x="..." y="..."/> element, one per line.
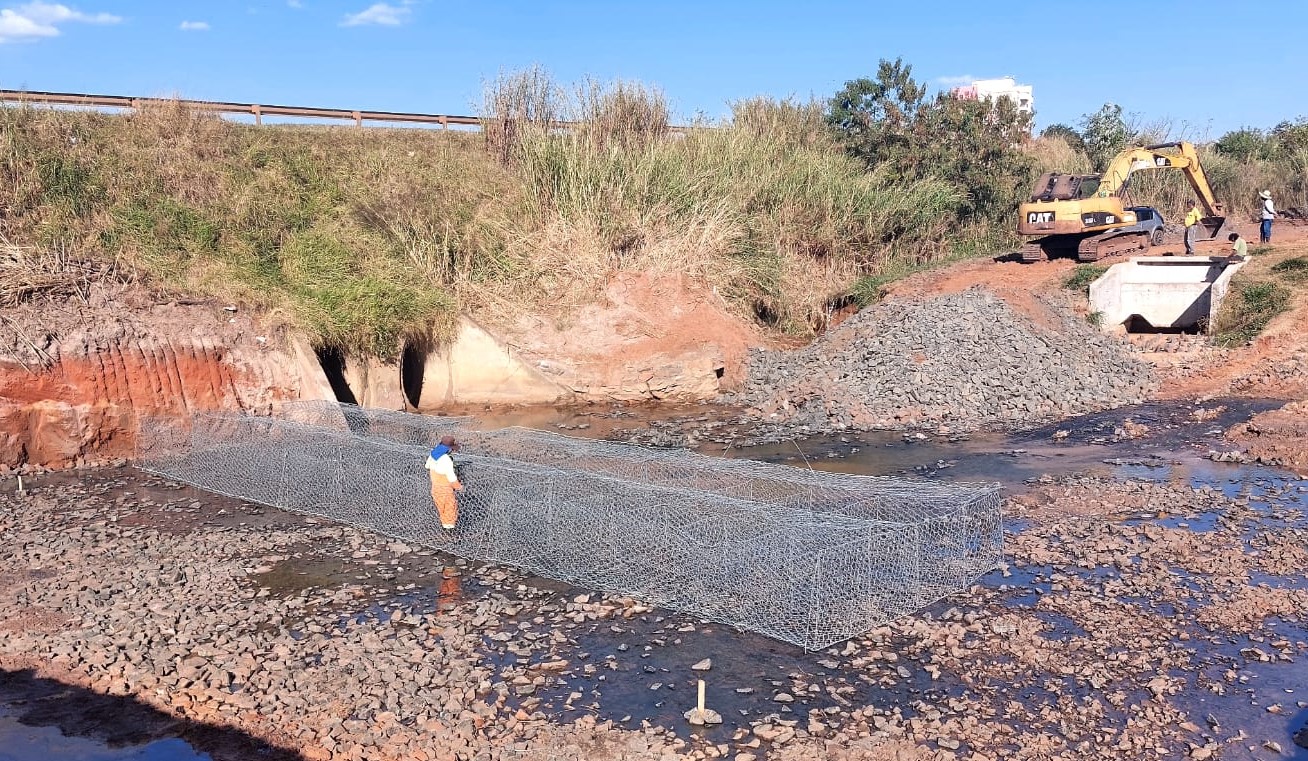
<point x="77" y="375"/>
<point x="649" y="336"/>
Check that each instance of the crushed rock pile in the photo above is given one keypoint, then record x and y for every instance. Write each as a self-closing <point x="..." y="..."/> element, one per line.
<point x="965" y="360"/>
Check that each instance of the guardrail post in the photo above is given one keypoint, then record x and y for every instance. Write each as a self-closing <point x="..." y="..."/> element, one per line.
<point x="258" y="114"/>
<point x="358" y="119"/>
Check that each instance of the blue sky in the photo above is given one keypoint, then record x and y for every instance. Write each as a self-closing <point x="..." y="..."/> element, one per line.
<point x="1204" y="66"/>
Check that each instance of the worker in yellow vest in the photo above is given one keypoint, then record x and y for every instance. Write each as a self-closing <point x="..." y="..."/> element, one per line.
<point x="1192" y="218"/>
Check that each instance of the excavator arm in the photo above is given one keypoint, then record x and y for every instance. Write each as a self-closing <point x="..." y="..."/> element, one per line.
<point x="1178" y="155"/>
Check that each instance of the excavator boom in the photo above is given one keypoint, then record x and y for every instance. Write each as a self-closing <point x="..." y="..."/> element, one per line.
<point x="1178" y="155"/>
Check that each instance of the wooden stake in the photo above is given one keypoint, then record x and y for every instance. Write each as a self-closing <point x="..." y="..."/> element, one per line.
<point x="701" y="696"/>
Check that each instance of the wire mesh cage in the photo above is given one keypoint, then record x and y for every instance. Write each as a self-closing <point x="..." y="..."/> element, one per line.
<point x="803" y="556"/>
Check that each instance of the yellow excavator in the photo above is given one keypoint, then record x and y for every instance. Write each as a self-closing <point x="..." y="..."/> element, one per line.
<point x="1086" y="216"/>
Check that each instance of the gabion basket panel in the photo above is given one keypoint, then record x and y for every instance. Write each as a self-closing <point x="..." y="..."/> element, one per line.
<point x="807" y="557"/>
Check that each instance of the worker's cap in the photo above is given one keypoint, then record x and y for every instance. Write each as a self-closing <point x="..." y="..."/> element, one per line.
<point x="1265" y="194"/>
<point x="450" y="442"/>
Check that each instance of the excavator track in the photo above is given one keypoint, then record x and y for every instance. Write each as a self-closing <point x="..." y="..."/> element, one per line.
<point x="1096" y="247"/>
<point x="1048" y="247"/>
<point x="1031" y="252"/>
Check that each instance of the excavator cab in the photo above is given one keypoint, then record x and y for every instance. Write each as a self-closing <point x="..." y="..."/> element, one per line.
<point x="1055" y="186"/>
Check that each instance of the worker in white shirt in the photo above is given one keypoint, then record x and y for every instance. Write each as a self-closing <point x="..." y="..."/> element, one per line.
<point x="1266" y="214"/>
<point x="444" y="481"/>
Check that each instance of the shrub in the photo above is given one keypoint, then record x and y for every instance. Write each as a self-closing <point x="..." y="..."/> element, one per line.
<point x="1083" y="276"/>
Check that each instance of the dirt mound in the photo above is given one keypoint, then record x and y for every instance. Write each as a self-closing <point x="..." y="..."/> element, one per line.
<point x="964" y="360"/>
<point x="1277" y="436"/>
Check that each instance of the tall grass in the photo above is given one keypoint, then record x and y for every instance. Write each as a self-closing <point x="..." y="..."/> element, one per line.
<point x="1053" y="154"/>
<point x="364" y="236"/>
<point x="765" y="206"/>
<point x="275" y="217"/>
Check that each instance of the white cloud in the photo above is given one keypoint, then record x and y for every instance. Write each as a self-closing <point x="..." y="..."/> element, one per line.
<point x="957" y="81"/>
<point x="295" y="3"/>
<point x="194" y="26"/>
<point x="383" y="14"/>
<point x="33" y="21"/>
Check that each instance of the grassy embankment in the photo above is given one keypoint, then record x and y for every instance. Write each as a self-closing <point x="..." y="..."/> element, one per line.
<point x="1268" y="286"/>
<point x="363" y="236"/>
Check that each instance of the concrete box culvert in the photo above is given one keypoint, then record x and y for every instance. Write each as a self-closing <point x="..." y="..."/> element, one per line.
<point x="1165" y="293"/>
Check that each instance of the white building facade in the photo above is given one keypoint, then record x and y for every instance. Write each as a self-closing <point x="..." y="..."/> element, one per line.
<point x="993" y="89"/>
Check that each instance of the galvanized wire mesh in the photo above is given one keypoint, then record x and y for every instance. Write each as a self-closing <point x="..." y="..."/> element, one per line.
<point x="804" y="556"/>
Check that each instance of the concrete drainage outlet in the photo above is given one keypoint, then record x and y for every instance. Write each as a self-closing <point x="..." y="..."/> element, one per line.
<point x="1149" y="294"/>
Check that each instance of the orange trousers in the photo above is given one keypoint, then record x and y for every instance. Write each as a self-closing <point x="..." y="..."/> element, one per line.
<point x="442" y="495"/>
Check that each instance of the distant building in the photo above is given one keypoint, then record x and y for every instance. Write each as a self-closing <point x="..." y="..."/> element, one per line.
<point x="993" y="89"/>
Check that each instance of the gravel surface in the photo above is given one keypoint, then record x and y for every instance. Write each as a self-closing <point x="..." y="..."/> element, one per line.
<point x="1130" y="615"/>
<point x="964" y="361"/>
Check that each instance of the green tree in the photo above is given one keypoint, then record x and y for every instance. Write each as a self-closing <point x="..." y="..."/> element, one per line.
<point x="1105" y="133"/>
<point x="891" y="125"/>
<point x="1289" y="143"/>
<point x="1068" y="134"/>
<point x="974" y="145"/>
<point x="874" y="117"/>
<point x="1244" y="144"/>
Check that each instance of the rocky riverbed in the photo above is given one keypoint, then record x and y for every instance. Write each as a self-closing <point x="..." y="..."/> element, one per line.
<point x="966" y="360"/>
<point x="1137" y="618"/>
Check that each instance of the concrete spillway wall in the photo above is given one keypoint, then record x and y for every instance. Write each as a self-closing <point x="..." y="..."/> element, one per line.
<point x="1166" y="292"/>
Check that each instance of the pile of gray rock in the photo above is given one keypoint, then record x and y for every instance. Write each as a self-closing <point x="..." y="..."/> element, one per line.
<point x="964" y="361"/>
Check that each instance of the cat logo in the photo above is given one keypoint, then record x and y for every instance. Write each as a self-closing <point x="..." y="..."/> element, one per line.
<point x="1162" y="161"/>
<point x="1039" y="217"/>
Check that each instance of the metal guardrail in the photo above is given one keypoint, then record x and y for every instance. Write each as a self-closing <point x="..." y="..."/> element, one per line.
<point x="258" y="111"/>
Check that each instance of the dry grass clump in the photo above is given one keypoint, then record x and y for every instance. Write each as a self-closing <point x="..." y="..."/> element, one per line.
<point x="28" y="273"/>
<point x="1053" y="154"/>
<point x="516" y="103"/>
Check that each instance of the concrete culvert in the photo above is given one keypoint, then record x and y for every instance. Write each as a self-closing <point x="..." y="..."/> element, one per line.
<point x="332" y="360"/>
<point x="413" y="364"/>
<point x="1163" y="294"/>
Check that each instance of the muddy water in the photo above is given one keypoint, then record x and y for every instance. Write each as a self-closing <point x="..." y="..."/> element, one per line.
<point x="1095" y="444"/>
<point x="1179" y="435"/>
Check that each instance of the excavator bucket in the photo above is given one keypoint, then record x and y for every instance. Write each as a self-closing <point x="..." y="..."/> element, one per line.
<point x="1214" y="228"/>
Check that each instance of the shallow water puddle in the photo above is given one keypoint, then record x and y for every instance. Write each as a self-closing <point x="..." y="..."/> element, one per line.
<point x="19" y="742"/>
